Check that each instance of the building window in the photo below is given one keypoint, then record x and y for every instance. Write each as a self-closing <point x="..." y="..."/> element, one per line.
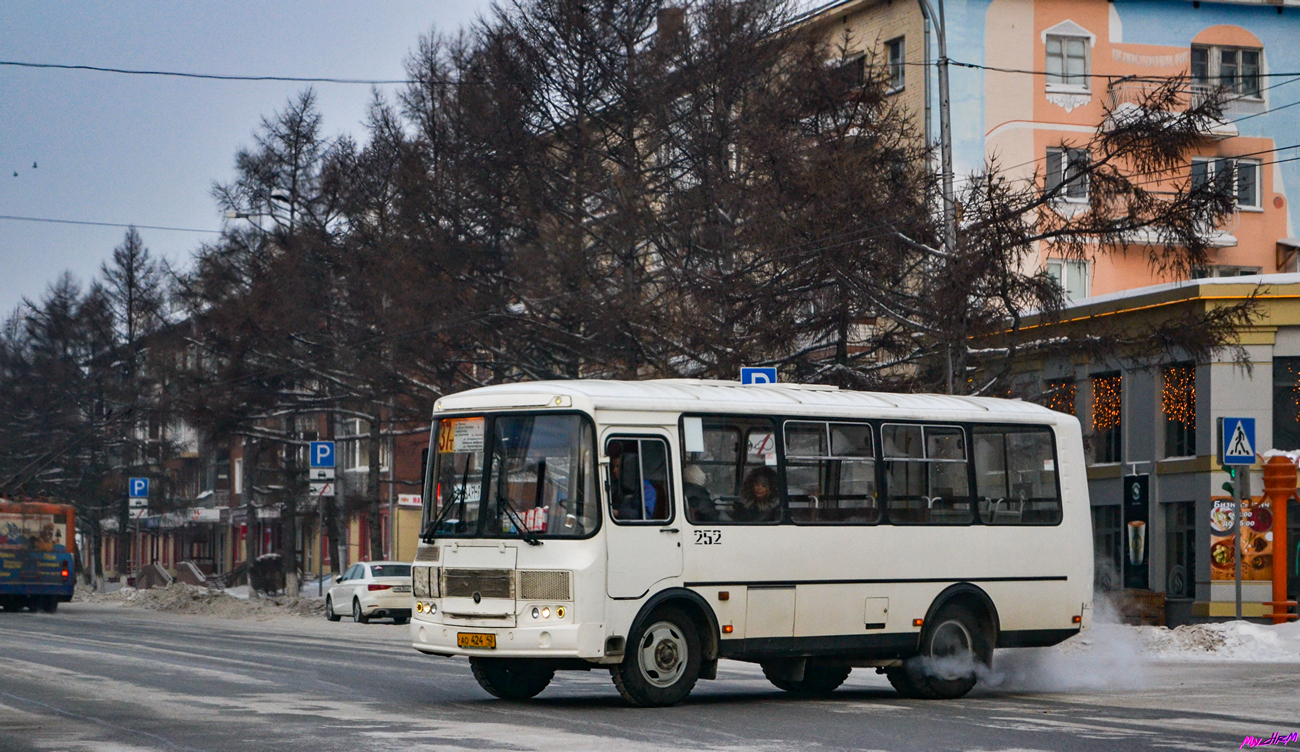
<point x="897" y="65"/>
<point x="1068" y="167"/>
<point x="1107" y="413"/>
<point x="1180" y="549"/>
<point x="1059" y="396"/>
<point x="1067" y="61"/>
<point x="1071" y="276"/>
<point x="1178" y="402"/>
<point x="1236" y="69"/>
<point x="354" y="446"/>
<point x="849" y="74"/>
<point x="1286" y="403"/>
<point x="1106" y="547"/>
<point x="1240" y="177"/>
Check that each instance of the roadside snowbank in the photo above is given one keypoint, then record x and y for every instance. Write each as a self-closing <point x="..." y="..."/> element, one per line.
<point x="1228" y="641"/>
<point x="1113" y="657"/>
<point x="188" y="599"/>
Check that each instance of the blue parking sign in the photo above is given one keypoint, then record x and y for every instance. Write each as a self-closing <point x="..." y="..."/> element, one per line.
<point x="137" y="488"/>
<point x="753" y="375"/>
<point x="322" y="454"/>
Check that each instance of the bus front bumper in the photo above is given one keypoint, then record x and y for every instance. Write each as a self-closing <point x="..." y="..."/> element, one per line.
<point x="584" y="641"/>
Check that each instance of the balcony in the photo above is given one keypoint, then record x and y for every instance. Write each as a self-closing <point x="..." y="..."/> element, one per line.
<point x="1127" y="96"/>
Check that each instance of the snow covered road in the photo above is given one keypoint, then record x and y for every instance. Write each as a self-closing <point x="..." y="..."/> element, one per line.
<point x="101" y="676"/>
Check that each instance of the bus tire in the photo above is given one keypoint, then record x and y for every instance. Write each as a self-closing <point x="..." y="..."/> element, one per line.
<point x="818" y="679"/>
<point x="510" y="679"/>
<point x="49" y="604"/>
<point x="954" y="648"/>
<point x="329" y="610"/>
<point x="662" y="662"/>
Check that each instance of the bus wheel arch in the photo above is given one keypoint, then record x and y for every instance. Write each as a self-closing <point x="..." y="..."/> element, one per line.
<point x="694" y="606"/>
<point x="974" y="600"/>
<point x="962" y="619"/>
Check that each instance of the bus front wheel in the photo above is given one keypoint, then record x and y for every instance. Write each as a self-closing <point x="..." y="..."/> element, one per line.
<point x="955" y="647"/>
<point x="662" y="662"/>
<point x="510" y="679"/>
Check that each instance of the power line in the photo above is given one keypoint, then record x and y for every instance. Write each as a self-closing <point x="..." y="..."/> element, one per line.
<point x="206" y="76"/>
<point x="50" y="220"/>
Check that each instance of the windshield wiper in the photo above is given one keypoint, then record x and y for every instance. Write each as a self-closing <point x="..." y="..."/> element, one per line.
<point x="529" y="537"/>
<point x="427" y="534"/>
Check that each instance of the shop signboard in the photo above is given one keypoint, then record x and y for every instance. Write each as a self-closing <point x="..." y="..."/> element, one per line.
<point x="1137" y="513"/>
<point x="1256" y="539"/>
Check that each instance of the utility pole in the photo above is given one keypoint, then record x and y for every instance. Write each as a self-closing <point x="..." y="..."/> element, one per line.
<point x="945" y="143"/>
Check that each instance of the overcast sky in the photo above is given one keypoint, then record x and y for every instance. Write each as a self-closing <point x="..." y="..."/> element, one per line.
<point x="146" y="150"/>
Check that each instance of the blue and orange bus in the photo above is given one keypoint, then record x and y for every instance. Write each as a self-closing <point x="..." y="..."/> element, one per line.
<point x="37" y="555"/>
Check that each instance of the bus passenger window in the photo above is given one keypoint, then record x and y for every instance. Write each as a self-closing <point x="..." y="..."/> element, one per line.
<point x="1016" y="476"/>
<point x="925" y="474"/>
<point x="830" y="472"/>
<point x="728" y="470"/>
<point x="639" y="489"/>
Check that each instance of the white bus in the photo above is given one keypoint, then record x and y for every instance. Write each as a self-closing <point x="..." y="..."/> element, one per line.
<point x="652" y="528"/>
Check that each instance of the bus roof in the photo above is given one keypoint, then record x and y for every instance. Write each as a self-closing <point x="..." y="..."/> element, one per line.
<point x="701" y="395"/>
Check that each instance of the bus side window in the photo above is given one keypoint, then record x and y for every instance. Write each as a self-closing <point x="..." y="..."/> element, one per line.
<point x="830" y="472"/>
<point x="926" y="474"/>
<point x="1016" y="475"/>
<point x="639" y="487"/>
<point x="721" y="453"/>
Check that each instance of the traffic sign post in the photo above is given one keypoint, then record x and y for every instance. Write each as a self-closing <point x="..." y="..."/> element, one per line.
<point x="322" y="454"/>
<point x="1237" y="449"/>
<point x="754" y="375"/>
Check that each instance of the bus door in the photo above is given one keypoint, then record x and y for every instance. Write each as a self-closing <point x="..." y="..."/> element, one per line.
<point x="644" y="535"/>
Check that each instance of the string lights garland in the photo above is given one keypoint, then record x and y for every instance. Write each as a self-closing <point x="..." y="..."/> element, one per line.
<point x="1178" y="398"/>
<point x="1105" y="402"/>
<point x="1060" y="396"/>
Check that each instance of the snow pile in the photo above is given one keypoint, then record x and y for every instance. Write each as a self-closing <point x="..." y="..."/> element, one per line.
<point x="1228" y="641"/>
<point x="188" y="599"/>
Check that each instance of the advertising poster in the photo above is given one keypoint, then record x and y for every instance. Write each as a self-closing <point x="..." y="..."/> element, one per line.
<point x="39" y="532"/>
<point x="1256" y="539"/>
<point x="1137" y="513"/>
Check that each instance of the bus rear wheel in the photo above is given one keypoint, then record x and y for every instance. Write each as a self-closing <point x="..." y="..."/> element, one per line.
<point x="954" y="648"/>
<point x="817" y="679"/>
<point x="49" y="604"/>
<point x="510" y="679"/>
<point x="662" y="662"/>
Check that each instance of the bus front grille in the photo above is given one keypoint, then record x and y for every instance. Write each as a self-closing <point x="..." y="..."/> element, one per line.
<point x="544" y="586"/>
<point x="488" y="583"/>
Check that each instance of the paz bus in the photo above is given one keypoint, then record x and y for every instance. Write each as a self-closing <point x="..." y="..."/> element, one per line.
<point x="37" y="547"/>
<point x="652" y="528"/>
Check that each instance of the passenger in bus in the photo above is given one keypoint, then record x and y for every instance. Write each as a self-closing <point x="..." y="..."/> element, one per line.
<point x="625" y="469"/>
<point x="698" y="500"/>
<point x="758" y="498"/>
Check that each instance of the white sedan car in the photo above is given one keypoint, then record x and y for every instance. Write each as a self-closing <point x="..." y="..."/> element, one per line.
<point x="371" y="589"/>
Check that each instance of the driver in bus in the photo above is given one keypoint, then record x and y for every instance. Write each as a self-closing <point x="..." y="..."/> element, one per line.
<point x="758" y="498"/>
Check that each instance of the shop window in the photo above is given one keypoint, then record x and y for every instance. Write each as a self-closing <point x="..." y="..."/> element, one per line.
<point x="1107" y="413"/>
<point x="1178" y="404"/>
<point x="1180" y="549"/>
<point x="1286" y="403"/>
<point x="1106" y="547"/>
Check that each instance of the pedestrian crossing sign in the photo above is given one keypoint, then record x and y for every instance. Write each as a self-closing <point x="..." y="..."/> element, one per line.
<point x="1238" y="441"/>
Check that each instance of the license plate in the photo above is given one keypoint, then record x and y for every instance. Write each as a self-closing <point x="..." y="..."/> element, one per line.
<point x="401" y="589"/>
<point x="475" y="640"/>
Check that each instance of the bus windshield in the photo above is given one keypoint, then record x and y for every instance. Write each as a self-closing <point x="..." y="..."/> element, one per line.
<point x="540" y="475"/>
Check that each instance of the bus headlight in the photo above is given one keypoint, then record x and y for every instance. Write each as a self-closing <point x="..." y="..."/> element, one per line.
<point x="546" y="612"/>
